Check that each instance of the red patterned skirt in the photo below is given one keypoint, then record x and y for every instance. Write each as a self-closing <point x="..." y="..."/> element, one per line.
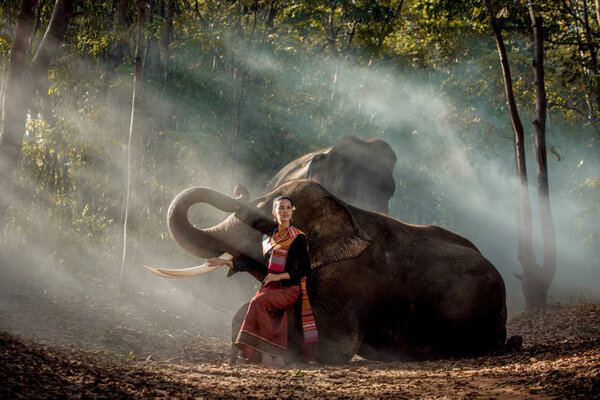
<point x="265" y="327"/>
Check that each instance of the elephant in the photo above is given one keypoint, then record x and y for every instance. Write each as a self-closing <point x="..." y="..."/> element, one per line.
<point x="378" y="287"/>
<point x="357" y="171"/>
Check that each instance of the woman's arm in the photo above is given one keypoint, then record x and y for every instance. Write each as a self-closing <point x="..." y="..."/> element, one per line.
<point x="239" y="265"/>
<point x="275" y="277"/>
<point x="217" y="262"/>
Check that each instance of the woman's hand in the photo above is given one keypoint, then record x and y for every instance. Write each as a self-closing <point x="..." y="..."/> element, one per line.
<point x="275" y="277"/>
<point x="217" y="262"/>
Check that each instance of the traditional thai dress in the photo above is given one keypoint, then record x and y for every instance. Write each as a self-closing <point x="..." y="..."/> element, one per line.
<point x="264" y="329"/>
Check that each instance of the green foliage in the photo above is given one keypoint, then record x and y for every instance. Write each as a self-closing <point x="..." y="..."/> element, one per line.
<point x="588" y="220"/>
<point x="252" y="85"/>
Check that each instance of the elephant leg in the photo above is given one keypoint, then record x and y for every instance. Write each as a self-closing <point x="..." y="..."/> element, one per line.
<point x="236" y="325"/>
<point x="340" y="337"/>
<point x="395" y="333"/>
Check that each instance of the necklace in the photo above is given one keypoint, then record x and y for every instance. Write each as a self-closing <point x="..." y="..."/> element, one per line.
<point x="283" y="234"/>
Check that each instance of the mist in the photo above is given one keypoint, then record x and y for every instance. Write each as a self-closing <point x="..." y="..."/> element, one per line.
<point x="69" y="245"/>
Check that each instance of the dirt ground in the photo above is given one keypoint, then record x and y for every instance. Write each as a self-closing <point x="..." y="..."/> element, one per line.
<point x="56" y="351"/>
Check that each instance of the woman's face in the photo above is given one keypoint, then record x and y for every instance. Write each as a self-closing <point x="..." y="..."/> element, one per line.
<point x="283" y="211"/>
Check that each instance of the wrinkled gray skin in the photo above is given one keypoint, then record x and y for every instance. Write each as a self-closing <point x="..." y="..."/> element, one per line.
<point x="357" y="171"/>
<point x="379" y="288"/>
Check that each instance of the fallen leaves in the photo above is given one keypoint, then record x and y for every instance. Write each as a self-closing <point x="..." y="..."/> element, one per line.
<point x="97" y="355"/>
<point x="557" y="370"/>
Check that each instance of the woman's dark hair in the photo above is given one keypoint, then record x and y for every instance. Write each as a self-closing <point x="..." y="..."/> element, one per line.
<point x="278" y="199"/>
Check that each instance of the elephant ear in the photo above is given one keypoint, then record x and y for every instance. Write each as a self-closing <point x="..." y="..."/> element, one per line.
<point x="333" y="233"/>
<point x="317" y="169"/>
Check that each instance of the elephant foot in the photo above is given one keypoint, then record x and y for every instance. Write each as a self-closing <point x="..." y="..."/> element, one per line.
<point x="332" y="356"/>
<point x="269" y="361"/>
<point x="278" y="362"/>
<point x="266" y="360"/>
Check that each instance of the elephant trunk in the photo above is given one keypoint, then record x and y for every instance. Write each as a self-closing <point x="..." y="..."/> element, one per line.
<point x="257" y="219"/>
<point x="203" y="243"/>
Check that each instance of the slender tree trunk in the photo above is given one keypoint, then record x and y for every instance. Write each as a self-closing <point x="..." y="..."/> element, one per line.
<point x="334" y="49"/>
<point x="166" y="41"/>
<point x="33" y="38"/>
<point x="133" y="161"/>
<point x="237" y="105"/>
<point x="332" y="29"/>
<point x="598" y="11"/>
<point x="546" y="273"/>
<point x="163" y="119"/>
<point x="116" y="52"/>
<point x="592" y="65"/>
<point x="14" y="100"/>
<point x="524" y="229"/>
<point x="117" y="48"/>
<point x="36" y="77"/>
<point x="57" y="27"/>
<point x="115" y="123"/>
<point x="588" y="34"/>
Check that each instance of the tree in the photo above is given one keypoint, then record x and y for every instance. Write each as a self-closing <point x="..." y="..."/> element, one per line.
<point x="13" y="104"/>
<point x="538" y="281"/>
<point x="574" y="47"/>
<point x="525" y="253"/>
<point x="535" y="279"/>
<point x="167" y="39"/>
<point x="133" y="159"/>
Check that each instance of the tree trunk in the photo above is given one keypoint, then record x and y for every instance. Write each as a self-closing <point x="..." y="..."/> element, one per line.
<point x="115" y="56"/>
<point x="117" y="48"/>
<point x="36" y="77"/>
<point x="116" y="53"/>
<point x="598" y="11"/>
<point x="546" y="273"/>
<point x="166" y="41"/>
<point x="524" y="227"/>
<point x="593" y="63"/>
<point x="57" y="27"/>
<point x="589" y="39"/>
<point x="133" y="162"/>
<point x="236" y="105"/>
<point x="13" y="102"/>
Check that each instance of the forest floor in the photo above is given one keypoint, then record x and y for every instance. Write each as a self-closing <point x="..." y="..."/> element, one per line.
<point x="54" y="350"/>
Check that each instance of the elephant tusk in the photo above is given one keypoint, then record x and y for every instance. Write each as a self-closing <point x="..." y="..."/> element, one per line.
<point x="186" y="272"/>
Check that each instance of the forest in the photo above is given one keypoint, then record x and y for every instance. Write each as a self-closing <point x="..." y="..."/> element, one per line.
<point x="110" y="108"/>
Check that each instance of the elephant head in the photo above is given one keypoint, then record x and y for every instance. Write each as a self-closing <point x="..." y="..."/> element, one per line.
<point x="357" y="171"/>
<point x="332" y="230"/>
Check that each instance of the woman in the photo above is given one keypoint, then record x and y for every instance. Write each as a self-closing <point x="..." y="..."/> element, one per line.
<point x="263" y="336"/>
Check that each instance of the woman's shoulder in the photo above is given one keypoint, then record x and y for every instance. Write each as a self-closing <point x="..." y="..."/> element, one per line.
<point x="299" y="234"/>
<point x="300" y="240"/>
